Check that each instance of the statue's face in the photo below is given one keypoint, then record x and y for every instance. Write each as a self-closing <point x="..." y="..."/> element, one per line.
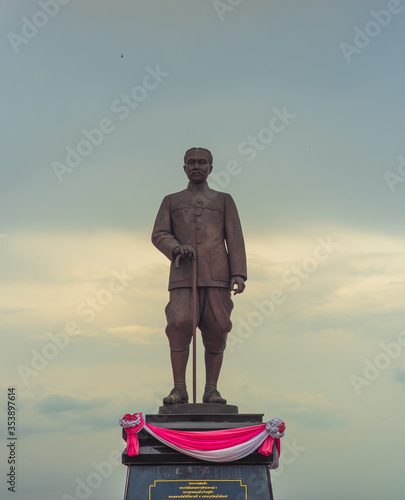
<point x="197" y="167"/>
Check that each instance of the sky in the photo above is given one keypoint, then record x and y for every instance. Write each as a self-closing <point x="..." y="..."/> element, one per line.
<point x="302" y="105"/>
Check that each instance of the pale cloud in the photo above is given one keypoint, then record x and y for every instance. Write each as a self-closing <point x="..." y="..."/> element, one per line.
<point x="57" y="403"/>
<point x="305" y="409"/>
<point x="71" y="257"/>
<point x="43" y="411"/>
<point x="363" y="276"/>
<point x="399" y="376"/>
<point x="62" y="273"/>
<point x="137" y="334"/>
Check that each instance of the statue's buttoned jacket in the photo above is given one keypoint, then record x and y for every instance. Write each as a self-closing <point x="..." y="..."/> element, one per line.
<point x="208" y="221"/>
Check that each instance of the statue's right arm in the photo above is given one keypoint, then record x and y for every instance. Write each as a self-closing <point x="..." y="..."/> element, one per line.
<point x="162" y="234"/>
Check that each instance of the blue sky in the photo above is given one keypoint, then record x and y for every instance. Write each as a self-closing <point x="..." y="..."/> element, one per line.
<point x="330" y="177"/>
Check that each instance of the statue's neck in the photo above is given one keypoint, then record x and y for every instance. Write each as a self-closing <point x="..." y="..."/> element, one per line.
<point x="198" y="188"/>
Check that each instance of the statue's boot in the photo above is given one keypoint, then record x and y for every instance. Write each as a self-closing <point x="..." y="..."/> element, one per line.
<point x="213" y="363"/>
<point x="179" y="392"/>
<point x="176" y="396"/>
<point x="213" y="396"/>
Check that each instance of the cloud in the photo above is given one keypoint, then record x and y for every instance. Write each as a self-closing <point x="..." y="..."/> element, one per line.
<point x="311" y="410"/>
<point x="137" y="334"/>
<point x="359" y="285"/>
<point x="399" y="376"/>
<point x="57" y="403"/>
<point x="15" y="310"/>
<point x="69" y="414"/>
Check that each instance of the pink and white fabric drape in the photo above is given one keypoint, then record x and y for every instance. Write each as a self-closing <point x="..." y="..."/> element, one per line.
<point x="213" y="446"/>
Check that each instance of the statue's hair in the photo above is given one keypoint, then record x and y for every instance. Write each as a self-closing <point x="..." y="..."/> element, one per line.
<point x="196" y="149"/>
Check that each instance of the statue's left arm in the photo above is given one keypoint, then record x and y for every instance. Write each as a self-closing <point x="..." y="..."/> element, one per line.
<point x="235" y="245"/>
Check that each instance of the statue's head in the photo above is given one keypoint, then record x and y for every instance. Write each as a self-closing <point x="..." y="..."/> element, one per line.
<point x="198" y="164"/>
<point x="199" y="150"/>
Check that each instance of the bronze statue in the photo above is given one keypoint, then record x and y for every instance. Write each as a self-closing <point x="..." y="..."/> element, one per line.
<point x="199" y="228"/>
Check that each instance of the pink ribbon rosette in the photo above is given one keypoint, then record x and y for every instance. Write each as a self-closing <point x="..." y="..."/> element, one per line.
<point x="275" y="429"/>
<point x="132" y="424"/>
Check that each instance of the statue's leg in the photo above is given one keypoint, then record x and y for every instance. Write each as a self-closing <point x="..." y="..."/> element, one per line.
<point x="179" y="364"/>
<point x="215" y="324"/>
<point x="213" y="363"/>
<point x="179" y="332"/>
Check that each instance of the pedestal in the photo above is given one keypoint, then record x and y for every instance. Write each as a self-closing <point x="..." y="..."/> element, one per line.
<point x="161" y="473"/>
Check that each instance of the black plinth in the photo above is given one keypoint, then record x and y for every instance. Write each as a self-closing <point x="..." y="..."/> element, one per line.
<point x="160" y="473"/>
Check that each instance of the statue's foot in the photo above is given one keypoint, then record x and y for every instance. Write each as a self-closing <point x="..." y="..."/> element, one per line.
<point x="213" y="396"/>
<point x="176" y="396"/>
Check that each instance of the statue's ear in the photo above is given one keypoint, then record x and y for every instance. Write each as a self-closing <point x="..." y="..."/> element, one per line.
<point x="184" y="168"/>
<point x="212" y="166"/>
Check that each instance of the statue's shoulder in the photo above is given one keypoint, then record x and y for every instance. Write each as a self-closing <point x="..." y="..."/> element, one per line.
<point x="179" y="195"/>
<point x="217" y="194"/>
<point x="220" y="195"/>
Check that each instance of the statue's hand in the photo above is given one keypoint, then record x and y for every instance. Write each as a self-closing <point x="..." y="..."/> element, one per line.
<point x="183" y="251"/>
<point x="237" y="284"/>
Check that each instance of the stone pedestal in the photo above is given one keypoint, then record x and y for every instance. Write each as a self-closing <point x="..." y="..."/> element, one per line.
<point x="161" y="473"/>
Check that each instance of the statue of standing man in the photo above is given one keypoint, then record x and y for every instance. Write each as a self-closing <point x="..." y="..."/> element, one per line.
<point x="200" y="224"/>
